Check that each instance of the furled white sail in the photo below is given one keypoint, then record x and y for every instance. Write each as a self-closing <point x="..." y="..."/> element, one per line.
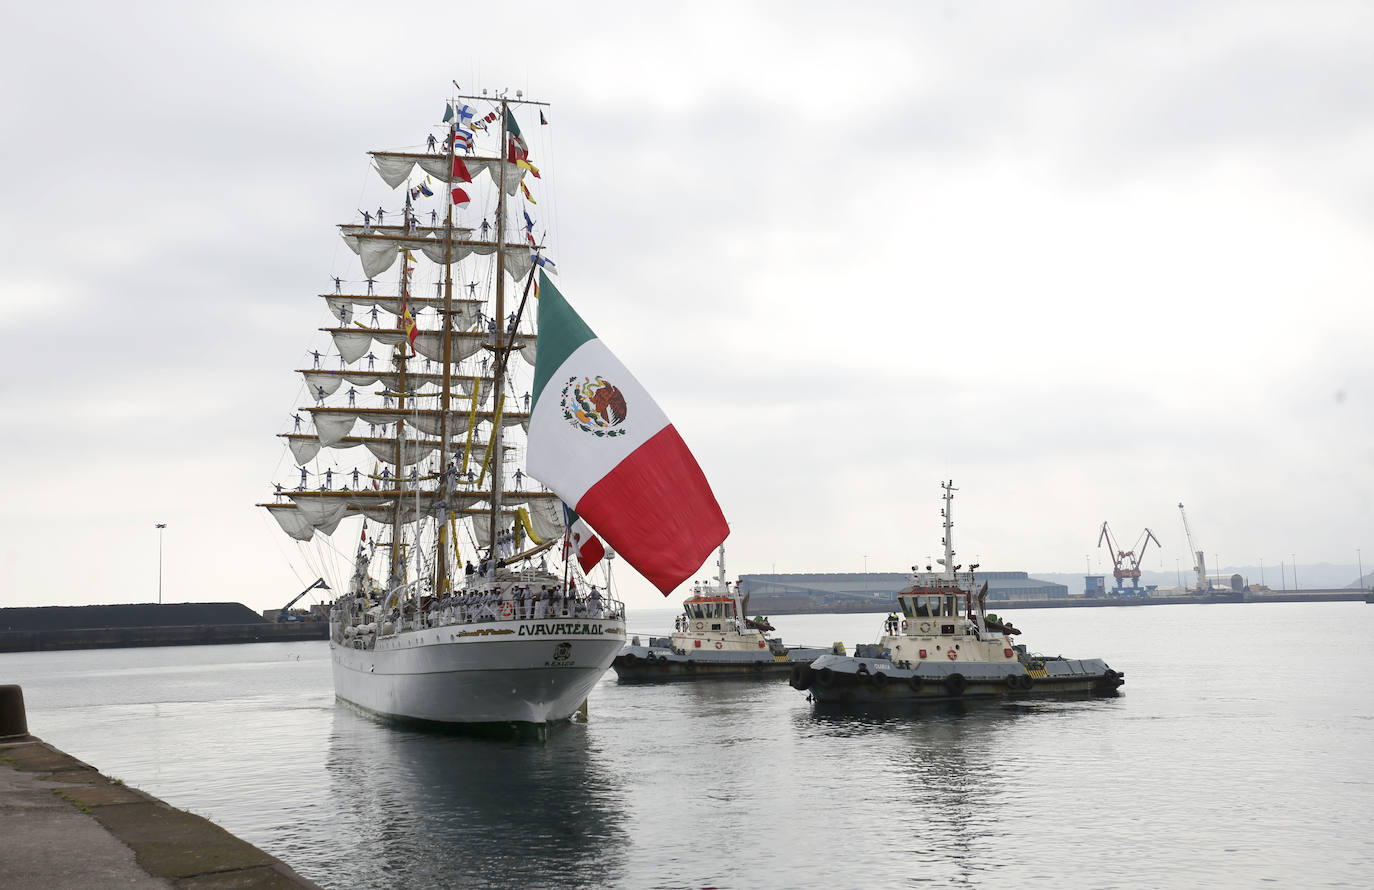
<point x="395" y="167"/>
<point x="354" y="343"/>
<point x="430" y="344"/>
<point x="416" y="383"/>
<point x="292" y="521"/>
<point x="465" y="311"/>
<point x="321" y="513"/>
<point x="428" y="421"/>
<point x="546" y="518"/>
<point x="392" y="167"/>
<point x="333" y="427"/>
<point x="304" y="448"/>
<point x="378" y="252"/>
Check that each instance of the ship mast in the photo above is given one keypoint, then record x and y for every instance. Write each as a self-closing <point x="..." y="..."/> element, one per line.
<point x="441" y="558"/>
<point x="498" y="385"/>
<point x="399" y="357"/>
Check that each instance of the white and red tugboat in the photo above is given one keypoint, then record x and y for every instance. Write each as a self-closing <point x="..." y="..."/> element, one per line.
<point x="945" y="646"/>
<point x="713" y="637"/>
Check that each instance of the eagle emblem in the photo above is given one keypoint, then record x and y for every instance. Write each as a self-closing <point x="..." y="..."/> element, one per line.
<point x="594" y="405"/>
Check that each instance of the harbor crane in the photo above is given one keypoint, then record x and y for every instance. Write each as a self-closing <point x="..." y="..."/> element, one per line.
<point x="285" y="613"/>
<point x="1126" y="563"/>
<point x="1199" y="561"/>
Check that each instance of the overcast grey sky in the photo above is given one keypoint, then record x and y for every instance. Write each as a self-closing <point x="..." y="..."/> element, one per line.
<point x="1087" y="259"/>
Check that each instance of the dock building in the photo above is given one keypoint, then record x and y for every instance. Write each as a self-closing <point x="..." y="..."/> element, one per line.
<point x="872" y="591"/>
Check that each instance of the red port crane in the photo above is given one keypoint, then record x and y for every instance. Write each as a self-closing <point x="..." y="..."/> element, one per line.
<point x="1126" y="563"/>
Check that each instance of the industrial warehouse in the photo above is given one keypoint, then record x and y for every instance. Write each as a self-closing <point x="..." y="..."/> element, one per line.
<point x="873" y="591"/>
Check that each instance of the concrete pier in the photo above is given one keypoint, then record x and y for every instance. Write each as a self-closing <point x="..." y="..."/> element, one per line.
<point x="67" y="826"/>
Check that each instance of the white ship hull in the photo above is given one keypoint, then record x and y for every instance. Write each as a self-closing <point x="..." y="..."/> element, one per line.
<point x="529" y="671"/>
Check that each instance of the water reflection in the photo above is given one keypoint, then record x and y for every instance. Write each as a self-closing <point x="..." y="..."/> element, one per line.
<point x="944" y="776"/>
<point x="435" y="810"/>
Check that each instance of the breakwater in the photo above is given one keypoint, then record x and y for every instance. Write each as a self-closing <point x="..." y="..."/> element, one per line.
<point x="189" y="635"/>
<point x="125" y="625"/>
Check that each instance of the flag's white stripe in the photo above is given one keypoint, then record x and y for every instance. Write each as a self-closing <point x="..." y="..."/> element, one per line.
<point x="570" y="460"/>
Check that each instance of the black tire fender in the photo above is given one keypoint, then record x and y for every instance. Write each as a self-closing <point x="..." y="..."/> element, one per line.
<point x="954" y="684"/>
<point x="825" y="677"/>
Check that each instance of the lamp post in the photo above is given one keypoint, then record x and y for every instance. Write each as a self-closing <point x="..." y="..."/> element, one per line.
<point x="1295" y="571"/>
<point x="1360" y="561"/>
<point x="1262" y="571"/>
<point x="160" y="527"/>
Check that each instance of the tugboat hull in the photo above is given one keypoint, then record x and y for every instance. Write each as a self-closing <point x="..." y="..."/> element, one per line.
<point x="848" y="680"/>
<point x="643" y="664"/>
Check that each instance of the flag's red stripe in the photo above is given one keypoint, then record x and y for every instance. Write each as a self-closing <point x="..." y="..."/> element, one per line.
<point x="657" y="510"/>
<point x="591" y="554"/>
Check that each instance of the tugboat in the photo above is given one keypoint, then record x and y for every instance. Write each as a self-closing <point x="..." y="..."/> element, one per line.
<point x="946" y="646"/>
<point x="714" y="637"/>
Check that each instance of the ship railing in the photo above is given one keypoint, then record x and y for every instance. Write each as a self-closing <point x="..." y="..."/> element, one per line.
<point x="458" y="609"/>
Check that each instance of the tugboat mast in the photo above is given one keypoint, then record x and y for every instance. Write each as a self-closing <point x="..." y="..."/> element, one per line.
<point x="948" y="514"/>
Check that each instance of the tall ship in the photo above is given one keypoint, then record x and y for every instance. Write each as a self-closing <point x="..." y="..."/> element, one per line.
<point x="714" y="637"/>
<point x="470" y="599"/>
<point x="945" y="645"/>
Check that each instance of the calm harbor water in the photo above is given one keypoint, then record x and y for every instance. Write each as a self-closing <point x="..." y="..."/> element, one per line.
<point x="1240" y="754"/>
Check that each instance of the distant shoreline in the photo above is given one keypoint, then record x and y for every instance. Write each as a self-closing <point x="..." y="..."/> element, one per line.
<point x="761" y="605"/>
<point x="132" y="637"/>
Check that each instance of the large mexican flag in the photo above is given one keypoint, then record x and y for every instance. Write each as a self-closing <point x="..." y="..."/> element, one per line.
<point x="602" y="444"/>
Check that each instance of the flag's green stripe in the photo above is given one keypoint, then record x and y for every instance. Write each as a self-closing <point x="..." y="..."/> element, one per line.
<point x="561" y="332"/>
